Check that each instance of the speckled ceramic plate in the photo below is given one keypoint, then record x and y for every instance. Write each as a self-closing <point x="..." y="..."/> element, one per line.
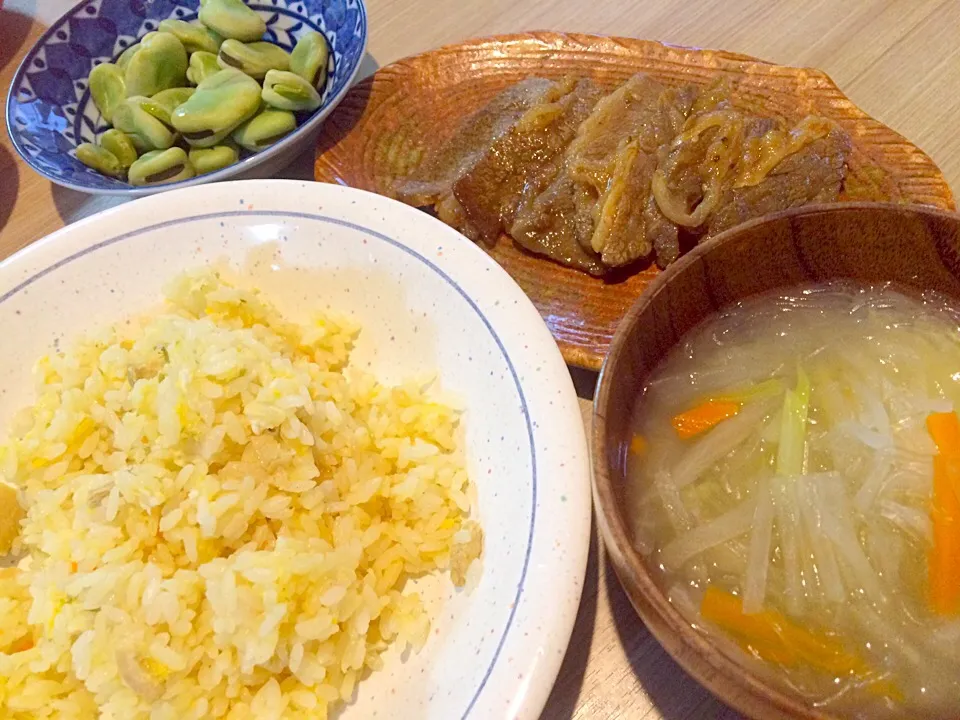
<point x="387" y="122"/>
<point x="427" y="301"/>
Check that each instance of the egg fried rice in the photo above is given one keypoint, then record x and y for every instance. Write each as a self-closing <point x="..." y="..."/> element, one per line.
<point x="221" y="515"/>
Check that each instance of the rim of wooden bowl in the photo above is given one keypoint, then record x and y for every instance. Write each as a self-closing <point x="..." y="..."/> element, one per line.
<point x="722" y="673"/>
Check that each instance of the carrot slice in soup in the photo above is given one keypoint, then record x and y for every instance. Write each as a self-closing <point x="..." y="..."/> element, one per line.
<point x="638" y="445"/>
<point x="771" y="636"/>
<point x="943" y="563"/>
<point x="703" y="417"/>
<point x="944" y="428"/>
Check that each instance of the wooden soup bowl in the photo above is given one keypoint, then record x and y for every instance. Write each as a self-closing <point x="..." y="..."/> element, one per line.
<point x="913" y="246"/>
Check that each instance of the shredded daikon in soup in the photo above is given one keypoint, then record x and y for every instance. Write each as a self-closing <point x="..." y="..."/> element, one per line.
<point x="795" y="477"/>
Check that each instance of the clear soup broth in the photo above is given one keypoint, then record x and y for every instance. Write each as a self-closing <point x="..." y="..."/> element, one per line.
<point x="795" y="479"/>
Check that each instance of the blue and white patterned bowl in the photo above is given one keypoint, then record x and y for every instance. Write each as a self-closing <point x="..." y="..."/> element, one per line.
<point x="50" y="112"/>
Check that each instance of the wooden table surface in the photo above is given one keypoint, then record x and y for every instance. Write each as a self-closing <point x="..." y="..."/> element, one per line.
<point x="897" y="59"/>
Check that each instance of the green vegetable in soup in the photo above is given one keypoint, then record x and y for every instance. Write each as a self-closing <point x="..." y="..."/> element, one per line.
<point x="793" y="427"/>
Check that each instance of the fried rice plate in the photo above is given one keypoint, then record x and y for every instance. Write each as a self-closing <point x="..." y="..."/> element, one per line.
<point x="221" y="517"/>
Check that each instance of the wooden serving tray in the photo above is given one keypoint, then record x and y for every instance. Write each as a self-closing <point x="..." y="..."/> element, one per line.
<point x="385" y="124"/>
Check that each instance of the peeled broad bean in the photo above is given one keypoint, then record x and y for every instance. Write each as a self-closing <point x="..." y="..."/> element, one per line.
<point x="310" y="57"/>
<point x="264" y="129"/>
<point x="232" y="19"/>
<point x="126" y="56"/>
<point x="145" y="130"/>
<point x="161" y="166"/>
<point x="193" y="37"/>
<point x="119" y="144"/>
<point x="162" y="105"/>
<point x="255" y="59"/>
<point x="100" y="159"/>
<point x="289" y="91"/>
<point x="208" y="160"/>
<point x="202" y="65"/>
<point x="220" y="103"/>
<point x="160" y="63"/>
<point x="107" y="88"/>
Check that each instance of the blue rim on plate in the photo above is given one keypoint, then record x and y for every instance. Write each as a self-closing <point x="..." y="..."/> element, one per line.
<point x="49" y="111"/>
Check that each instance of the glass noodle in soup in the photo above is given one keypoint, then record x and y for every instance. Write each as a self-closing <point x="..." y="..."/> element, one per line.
<point x="795" y="481"/>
